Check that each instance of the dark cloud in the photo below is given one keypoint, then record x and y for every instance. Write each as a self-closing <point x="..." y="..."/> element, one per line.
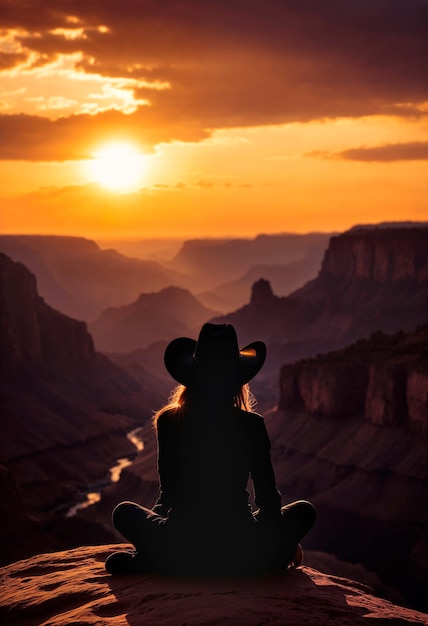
<point x="10" y="59"/>
<point x="240" y="62"/>
<point x="32" y="138"/>
<point x="410" y="151"/>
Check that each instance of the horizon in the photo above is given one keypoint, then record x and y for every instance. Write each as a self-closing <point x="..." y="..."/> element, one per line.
<point x="226" y="236"/>
<point x="177" y="237"/>
<point x="227" y="120"/>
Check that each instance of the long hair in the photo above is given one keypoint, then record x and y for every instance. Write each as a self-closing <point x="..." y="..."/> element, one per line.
<point x="179" y="400"/>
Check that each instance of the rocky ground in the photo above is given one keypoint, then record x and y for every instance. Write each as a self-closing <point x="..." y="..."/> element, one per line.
<point x="72" y="587"/>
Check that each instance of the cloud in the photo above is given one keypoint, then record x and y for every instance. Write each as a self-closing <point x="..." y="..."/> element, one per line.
<point x="10" y="59"/>
<point x="33" y="138"/>
<point x="229" y="64"/>
<point x="411" y="151"/>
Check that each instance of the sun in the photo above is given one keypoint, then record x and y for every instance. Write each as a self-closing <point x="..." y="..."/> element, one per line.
<point x="119" y="167"/>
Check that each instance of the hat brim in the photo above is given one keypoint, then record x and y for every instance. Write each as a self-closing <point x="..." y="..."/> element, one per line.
<point x="181" y="365"/>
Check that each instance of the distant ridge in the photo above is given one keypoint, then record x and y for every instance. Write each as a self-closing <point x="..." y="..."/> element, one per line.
<point x="370" y="279"/>
<point x="230" y="258"/>
<point x="78" y="278"/>
<point x="382" y="225"/>
<point x="153" y="317"/>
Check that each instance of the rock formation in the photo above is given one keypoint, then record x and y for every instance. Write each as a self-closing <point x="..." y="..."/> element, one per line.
<point x="76" y="277"/>
<point x="370" y="279"/>
<point x="33" y="334"/>
<point x="351" y="435"/>
<point x="65" y="412"/>
<point x="381" y="255"/>
<point x="384" y="378"/>
<point x="153" y="317"/>
<point x="285" y="279"/>
<point x="72" y="587"/>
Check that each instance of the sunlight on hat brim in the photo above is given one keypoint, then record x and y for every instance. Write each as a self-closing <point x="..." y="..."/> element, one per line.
<point x="249" y="352"/>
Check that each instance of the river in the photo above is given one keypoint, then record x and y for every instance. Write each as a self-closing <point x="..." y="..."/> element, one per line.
<point x="94" y="495"/>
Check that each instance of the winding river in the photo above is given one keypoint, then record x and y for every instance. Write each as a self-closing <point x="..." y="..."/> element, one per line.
<point x="93" y="496"/>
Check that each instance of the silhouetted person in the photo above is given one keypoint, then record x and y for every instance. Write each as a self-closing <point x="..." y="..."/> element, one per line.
<point x="209" y="444"/>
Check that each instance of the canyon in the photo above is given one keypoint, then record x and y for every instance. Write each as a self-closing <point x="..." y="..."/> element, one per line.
<point x="66" y="410"/>
<point x="344" y="394"/>
<point x="341" y="439"/>
<point x="370" y="279"/>
<point x="153" y="317"/>
<point x="351" y="434"/>
<point x="78" y="277"/>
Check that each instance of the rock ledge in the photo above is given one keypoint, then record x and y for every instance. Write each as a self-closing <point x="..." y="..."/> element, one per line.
<point x="72" y="587"/>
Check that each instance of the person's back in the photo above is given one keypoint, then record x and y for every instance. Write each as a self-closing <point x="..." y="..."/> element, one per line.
<point x="204" y="461"/>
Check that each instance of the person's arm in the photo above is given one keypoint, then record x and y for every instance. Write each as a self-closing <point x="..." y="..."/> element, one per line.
<point x="166" y="435"/>
<point x="267" y="496"/>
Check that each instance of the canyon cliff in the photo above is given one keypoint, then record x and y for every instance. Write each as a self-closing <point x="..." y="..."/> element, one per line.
<point x="379" y="278"/>
<point x="351" y="435"/>
<point x="370" y="279"/>
<point x="383" y="377"/>
<point x="65" y="412"/>
<point x="33" y="334"/>
<point x="76" y="277"/>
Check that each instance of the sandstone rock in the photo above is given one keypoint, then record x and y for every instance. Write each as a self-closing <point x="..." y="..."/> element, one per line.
<point x="33" y="333"/>
<point x="385" y="401"/>
<point x="417" y="401"/>
<point x="383" y="378"/>
<point x="72" y="587"/>
<point x="153" y="317"/>
<point x="262" y="294"/>
<point x="289" y="388"/>
<point x="330" y="389"/>
<point x="368" y="474"/>
<point x="381" y="255"/>
<point x="369" y="484"/>
<point x="370" y="279"/>
<point x="65" y="412"/>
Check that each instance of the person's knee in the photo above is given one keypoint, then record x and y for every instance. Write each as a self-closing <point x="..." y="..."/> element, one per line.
<point x="121" y="514"/>
<point x="301" y="512"/>
<point x="308" y="512"/>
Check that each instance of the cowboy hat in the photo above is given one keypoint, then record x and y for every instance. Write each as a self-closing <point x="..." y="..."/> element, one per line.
<point x="217" y="343"/>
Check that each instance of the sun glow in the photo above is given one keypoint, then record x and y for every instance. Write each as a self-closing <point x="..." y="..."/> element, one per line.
<point x="119" y="167"/>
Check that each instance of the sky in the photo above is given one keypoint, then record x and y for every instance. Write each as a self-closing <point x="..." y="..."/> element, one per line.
<point x="189" y="118"/>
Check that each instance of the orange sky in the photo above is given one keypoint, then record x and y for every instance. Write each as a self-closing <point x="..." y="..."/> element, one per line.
<point x="255" y="116"/>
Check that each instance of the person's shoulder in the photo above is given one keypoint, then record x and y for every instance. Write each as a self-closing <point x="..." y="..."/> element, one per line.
<point x="167" y="416"/>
